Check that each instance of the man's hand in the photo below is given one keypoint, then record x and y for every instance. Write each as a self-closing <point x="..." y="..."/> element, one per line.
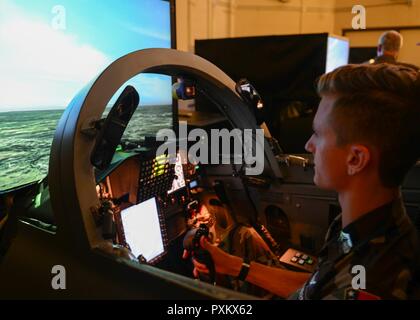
<point x="224" y="262"/>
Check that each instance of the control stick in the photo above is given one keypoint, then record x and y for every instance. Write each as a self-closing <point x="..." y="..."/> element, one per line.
<point x="192" y="244"/>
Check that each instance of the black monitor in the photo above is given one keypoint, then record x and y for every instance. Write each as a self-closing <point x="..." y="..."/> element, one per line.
<point x="284" y="70"/>
<point x="142" y="230"/>
<point x="281" y="68"/>
<point x="362" y="54"/>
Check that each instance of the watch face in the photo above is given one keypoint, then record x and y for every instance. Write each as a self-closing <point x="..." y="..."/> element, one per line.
<point x="244" y="271"/>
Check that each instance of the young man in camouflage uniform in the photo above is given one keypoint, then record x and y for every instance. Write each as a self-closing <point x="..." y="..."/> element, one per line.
<point x="366" y="138"/>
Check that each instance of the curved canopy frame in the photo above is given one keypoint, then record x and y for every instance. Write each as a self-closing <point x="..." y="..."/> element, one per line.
<point x="71" y="174"/>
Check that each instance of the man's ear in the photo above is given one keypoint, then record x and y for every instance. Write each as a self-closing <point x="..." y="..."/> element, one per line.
<point x="379" y="49"/>
<point x="358" y="159"/>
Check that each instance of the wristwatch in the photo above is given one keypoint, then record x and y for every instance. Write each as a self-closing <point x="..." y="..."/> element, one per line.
<point x="244" y="270"/>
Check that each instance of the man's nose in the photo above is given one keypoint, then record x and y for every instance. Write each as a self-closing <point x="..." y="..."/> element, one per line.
<point x="309" y="145"/>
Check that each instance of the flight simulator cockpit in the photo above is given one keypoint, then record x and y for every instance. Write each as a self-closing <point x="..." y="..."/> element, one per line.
<point x="111" y="203"/>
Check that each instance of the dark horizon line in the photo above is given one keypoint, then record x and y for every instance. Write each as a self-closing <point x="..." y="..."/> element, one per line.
<point x="62" y="109"/>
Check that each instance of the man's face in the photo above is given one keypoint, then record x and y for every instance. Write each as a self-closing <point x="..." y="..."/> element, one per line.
<point x="329" y="159"/>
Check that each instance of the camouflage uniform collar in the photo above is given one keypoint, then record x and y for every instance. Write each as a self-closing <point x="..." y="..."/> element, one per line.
<point x="381" y="218"/>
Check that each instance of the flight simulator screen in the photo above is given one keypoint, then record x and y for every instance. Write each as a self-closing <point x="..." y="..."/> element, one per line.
<point x="142" y="229"/>
<point x="50" y="50"/>
<point x="337" y="53"/>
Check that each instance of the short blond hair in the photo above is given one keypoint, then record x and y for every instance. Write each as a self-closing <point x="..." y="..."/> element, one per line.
<point x="378" y="105"/>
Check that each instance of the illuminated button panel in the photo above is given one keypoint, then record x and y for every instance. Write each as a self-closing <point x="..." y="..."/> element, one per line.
<point x="156" y="176"/>
<point x="296" y="259"/>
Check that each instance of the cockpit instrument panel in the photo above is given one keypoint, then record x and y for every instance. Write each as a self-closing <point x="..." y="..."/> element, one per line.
<point x="156" y="177"/>
<point x="179" y="179"/>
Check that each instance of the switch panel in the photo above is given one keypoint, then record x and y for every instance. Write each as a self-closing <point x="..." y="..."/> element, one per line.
<point x="298" y="260"/>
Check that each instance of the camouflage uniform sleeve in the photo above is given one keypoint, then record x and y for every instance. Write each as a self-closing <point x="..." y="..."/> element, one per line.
<point x="248" y="244"/>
